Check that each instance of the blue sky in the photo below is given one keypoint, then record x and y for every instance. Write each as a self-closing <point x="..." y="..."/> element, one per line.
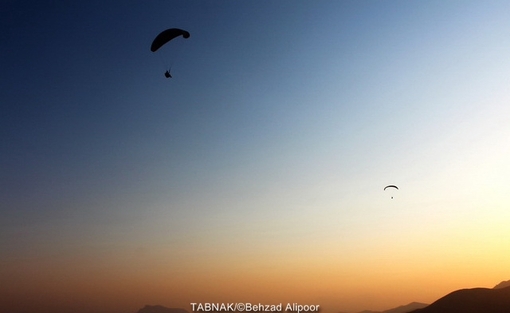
<point x="277" y="133"/>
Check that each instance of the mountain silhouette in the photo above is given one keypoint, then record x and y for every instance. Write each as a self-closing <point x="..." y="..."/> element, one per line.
<point x="502" y="284"/>
<point x="160" y="309"/>
<point x="475" y="300"/>
<point x="401" y="309"/>
<point x="406" y="308"/>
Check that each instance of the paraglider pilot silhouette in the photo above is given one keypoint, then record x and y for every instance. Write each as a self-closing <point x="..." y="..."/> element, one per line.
<point x="164" y="37"/>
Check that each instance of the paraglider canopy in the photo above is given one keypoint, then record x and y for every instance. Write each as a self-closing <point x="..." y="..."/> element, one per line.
<point x="167" y="35"/>
<point x="391" y="186"/>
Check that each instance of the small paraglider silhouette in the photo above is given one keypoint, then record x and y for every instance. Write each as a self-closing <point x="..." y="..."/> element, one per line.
<point x="166" y="36"/>
<point x="391" y="186"/>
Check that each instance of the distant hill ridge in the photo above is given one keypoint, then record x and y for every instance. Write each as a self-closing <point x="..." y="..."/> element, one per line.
<point x="502" y="284"/>
<point x="401" y="309"/>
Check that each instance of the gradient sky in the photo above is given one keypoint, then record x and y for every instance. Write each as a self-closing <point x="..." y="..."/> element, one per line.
<point x="257" y="172"/>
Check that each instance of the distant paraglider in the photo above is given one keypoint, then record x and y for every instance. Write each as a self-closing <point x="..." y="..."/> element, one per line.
<point x="391" y="186"/>
<point x="163" y="38"/>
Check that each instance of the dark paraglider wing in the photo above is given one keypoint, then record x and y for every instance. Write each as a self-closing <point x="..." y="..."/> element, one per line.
<point x="391" y="186"/>
<point x="167" y="35"/>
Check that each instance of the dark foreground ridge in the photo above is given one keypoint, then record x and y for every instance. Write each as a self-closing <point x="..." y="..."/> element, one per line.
<point x="160" y="309"/>
<point x="476" y="300"/>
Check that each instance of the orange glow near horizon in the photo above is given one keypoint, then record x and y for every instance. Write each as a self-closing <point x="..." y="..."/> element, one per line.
<point x="373" y="277"/>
